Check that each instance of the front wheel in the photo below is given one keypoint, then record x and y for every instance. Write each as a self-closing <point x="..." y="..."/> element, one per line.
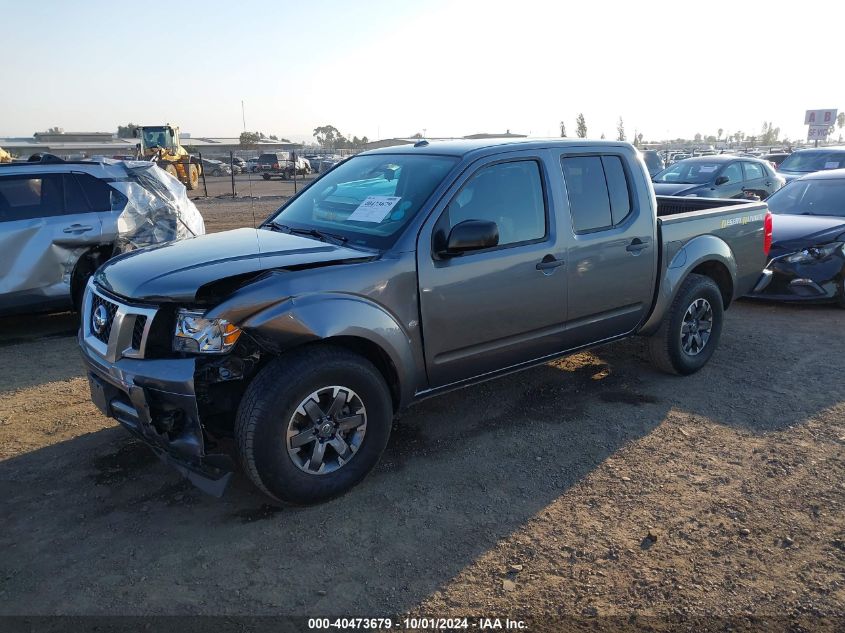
<point x="265" y="176"/>
<point x="193" y="177"/>
<point x="312" y="424"/>
<point x="691" y="327"/>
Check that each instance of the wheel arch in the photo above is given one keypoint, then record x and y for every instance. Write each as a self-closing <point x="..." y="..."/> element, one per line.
<point x="705" y="255"/>
<point x="377" y="356"/>
<point x="353" y="323"/>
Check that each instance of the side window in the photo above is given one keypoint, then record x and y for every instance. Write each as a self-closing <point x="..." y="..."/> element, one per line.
<point x="753" y="171"/>
<point x="733" y="172"/>
<point x="509" y="194"/>
<point x="599" y="196"/>
<point x="30" y="197"/>
<point x="75" y="200"/>
<point x="96" y="191"/>
<point x="617" y="187"/>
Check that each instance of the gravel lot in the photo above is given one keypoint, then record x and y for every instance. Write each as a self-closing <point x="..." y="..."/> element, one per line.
<point x="592" y="486"/>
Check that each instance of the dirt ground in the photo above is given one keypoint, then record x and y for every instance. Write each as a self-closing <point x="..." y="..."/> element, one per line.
<point x="593" y="487"/>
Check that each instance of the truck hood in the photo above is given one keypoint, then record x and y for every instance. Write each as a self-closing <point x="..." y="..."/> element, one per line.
<point x="795" y="232"/>
<point x="673" y="189"/>
<point x="177" y="271"/>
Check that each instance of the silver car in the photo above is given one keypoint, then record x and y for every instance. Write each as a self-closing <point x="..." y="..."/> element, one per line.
<point x="59" y="221"/>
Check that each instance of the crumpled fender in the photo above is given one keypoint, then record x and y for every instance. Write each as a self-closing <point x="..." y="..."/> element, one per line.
<point x="309" y="318"/>
<point x="699" y="250"/>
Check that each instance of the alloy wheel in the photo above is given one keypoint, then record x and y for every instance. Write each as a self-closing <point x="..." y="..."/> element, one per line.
<point x="696" y="327"/>
<point x="326" y="430"/>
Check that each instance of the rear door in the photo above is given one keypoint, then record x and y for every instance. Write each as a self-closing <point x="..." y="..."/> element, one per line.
<point x="46" y="222"/>
<point x="756" y="179"/>
<point x="494" y="308"/>
<point x="612" y="258"/>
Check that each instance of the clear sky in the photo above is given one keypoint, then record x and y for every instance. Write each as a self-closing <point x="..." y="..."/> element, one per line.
<point x="383" y="68"/>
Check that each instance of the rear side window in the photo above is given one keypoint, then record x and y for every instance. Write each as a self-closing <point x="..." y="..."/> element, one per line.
<point x="597" y="186"/>
<point x="30" y="197"/>
<point x="753" y="171"/>
<point x="96" y="191"/>
<point x="617" y="188"/>
<point x="75" y="200"/>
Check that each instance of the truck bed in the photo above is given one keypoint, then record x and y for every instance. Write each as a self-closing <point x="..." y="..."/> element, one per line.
<point x="737" y="223"/>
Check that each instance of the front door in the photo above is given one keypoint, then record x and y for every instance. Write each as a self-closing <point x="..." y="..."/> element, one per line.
<point x="732" y="187"/>
<point x="501" y="306"/>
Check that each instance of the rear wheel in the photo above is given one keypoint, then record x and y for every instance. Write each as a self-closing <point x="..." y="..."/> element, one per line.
<point x="691" y="327"/>
<point x="312" y="424"/>
<point x="265" y="176"/>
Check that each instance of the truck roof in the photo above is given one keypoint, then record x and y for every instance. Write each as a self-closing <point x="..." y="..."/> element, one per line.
<point x="463" y="147"/>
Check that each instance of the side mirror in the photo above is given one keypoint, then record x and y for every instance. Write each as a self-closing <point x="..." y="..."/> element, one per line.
<point x="721" y="180"/>
<point x="471" y="235"/>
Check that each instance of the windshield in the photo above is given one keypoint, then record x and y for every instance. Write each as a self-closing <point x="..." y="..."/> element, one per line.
<point x="689" y="172"/>
<point x="810" y="197"/>
<point x="368" y="199"/>
<point x="157" y="137"/>
<point x="813" y="161"/>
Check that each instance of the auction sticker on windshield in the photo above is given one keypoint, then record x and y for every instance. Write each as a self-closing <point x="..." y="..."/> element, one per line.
<point x="374" y="208"/>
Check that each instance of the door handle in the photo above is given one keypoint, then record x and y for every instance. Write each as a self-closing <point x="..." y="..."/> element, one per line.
<point x="77" y="228"/>
<point x="636" y="245"/>
<point x="549" y="263"/>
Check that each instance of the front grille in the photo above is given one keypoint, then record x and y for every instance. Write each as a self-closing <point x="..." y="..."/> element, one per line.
<point x="138" y="331"/>
<point x="111" y="308"/>
<point x="114" y="329"/>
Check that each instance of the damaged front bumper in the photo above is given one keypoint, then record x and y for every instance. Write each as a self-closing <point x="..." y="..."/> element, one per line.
<point x="155" y="399"/>
<point x="819" y="280"/>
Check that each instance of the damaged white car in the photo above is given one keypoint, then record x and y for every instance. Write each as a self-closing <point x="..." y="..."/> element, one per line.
<point x="60" y="220"/>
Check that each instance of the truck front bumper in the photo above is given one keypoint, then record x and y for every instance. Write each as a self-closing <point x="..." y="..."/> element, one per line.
<point x="155" y="400"/>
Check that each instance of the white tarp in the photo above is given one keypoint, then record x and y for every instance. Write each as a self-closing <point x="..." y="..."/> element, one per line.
<point x="158" y="209"/>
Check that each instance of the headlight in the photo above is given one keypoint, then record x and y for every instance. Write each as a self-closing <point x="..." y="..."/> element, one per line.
<point x="196" y="334"/>
<point x="814" y="253"/>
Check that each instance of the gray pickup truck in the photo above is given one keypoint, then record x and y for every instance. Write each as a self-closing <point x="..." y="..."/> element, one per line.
<point x="398" y="275"/>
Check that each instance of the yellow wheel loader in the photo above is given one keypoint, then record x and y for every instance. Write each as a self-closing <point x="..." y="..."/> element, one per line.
<point x="160" y="143"/>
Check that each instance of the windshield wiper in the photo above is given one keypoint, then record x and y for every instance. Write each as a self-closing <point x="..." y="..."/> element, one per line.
<point x="323" y="236"/>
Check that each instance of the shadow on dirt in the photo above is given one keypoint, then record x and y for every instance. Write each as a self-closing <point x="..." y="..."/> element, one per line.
<point x="461" y="472"/>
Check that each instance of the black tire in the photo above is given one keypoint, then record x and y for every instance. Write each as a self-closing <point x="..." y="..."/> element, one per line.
<point x="665" y="345"/>
<point x="265" y="176"/>
<point x="272" y="399"/>
<point x="217" y="172"/>
<point x="193" y="177"/>
<point x="840" y="301"/>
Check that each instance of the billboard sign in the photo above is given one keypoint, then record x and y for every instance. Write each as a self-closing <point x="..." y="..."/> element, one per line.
<point x="820" y="117"/>
<point x="818" y="132"/>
